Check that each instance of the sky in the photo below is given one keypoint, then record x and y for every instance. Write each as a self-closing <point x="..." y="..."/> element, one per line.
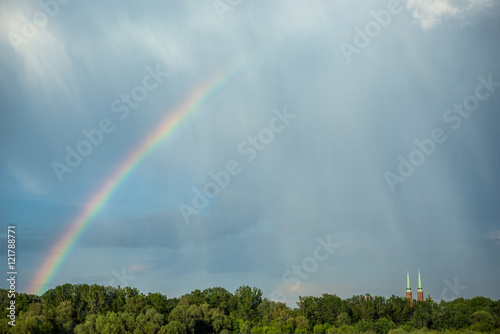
<point x="314" y="147"/>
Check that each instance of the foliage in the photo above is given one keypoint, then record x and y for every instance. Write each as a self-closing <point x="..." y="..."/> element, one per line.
<point x="89" y="309"/>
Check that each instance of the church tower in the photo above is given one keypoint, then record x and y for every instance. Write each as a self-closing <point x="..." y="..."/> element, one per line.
<point x="420" y="291"/>
<point x="408" y="289"/>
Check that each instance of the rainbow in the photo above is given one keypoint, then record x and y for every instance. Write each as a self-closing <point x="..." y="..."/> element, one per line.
<point x="69" y="239"/>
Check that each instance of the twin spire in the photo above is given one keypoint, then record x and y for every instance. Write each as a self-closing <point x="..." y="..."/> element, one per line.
<point x="420" y="292"/>
<point x="419" y="283"/>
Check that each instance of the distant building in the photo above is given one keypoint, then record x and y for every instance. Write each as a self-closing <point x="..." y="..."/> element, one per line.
<point x="408" y="289"/>
<point x="420" y="292"/>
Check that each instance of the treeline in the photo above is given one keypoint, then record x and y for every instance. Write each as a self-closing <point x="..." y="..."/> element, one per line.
<point x="86" y="309"/>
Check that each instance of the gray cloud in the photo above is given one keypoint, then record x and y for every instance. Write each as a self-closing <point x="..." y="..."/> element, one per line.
<point x="323" y="174"/>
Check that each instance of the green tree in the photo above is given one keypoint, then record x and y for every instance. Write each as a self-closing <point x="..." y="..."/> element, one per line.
<point x="244" y="326"/>
<point x="199" y="318"/>
<point x="319" y="329"/>
<point x="28" y="323"/>
<point x="174" y="327"/>
<point x="220" y="321"/>
<point x="422" y="314"/>
<point x="481" y="303"/>
<point x="309" y="307"/>
<point x="343" y="319"/>
<point x="65" y="313"/>
<point x="111" y="323"/>
<point x="483" y="322"/>
<point x="158" y="301"/>
<point x="85" y="309"/>
<point x="456" y="314"/>
<point x="88" y="327"/>
<point x="135" y="304"/>
<point x="363" y="326"/>
<point x="302" y="324"/>
<point x="329" y="308"/>
<point x="398" y="309"/>
<point x="383" y="325"/>
<point x="180" y="314"/>
<point x="196" y="297"/>
<point x="363" y="307"/>
<point x="290" y="325"/>
<point x="220" y="298"/>
<point x="149" y="322"/>
<point x="247" y="301"/>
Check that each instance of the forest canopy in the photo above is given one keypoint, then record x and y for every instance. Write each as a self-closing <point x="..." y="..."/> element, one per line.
<point x="86" y="309"/>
